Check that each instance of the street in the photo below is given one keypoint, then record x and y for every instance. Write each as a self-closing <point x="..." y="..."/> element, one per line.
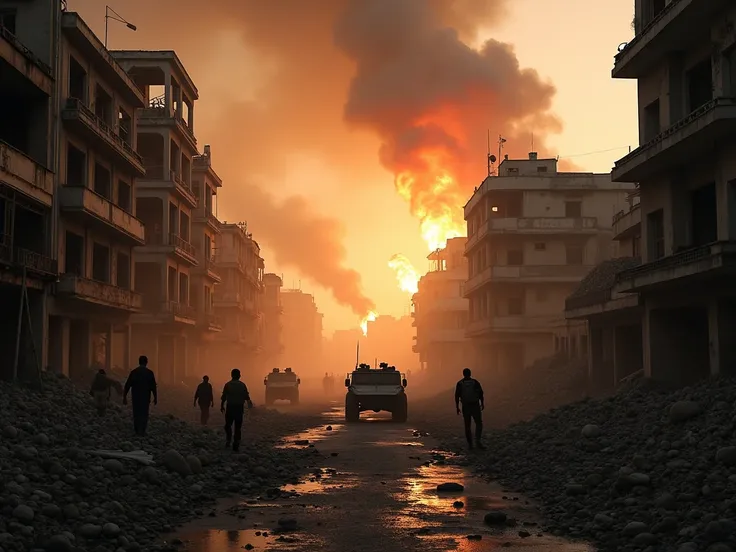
<point x="373" y="486"/>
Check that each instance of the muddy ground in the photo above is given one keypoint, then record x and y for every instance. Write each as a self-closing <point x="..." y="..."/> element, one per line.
<point x="372" y="486"/>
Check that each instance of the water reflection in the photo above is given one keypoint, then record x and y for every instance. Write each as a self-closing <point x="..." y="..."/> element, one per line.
<point x="215" y="540"/>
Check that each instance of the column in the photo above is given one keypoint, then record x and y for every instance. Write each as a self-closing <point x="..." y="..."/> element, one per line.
<point x="108" y="346"/>
<point x="167" y="91"/>
<point x="190" y="122"/>
<point x="127" y="344"/>
<point x="721" y="328"/>
<point x="677" y="219"/>
<point x="725" y="200"/>
<point x="167" y="155"/>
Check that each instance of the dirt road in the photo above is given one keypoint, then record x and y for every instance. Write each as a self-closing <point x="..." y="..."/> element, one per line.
<point x="373" y="487"/>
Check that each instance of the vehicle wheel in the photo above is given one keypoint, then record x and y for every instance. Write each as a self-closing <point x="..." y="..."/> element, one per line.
<point x="352" y="408"/>
<point x="400" y="413"/>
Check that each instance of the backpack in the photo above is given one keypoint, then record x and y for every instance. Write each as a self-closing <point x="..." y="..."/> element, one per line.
<point x="469" y="391"/>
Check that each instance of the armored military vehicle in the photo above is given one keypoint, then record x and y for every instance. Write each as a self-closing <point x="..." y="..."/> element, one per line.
<point x="282" y="386"/>
<point x="376" y="389"/>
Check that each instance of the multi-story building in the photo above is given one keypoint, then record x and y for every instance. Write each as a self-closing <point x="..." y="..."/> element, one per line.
<point x="237" y="298"/>
<point x="98" y="230"/>
<point x="533" y="235"/>
<point x="684" y="60"/>
<point x="27" y="184"/>
<point x="302" y="332"/>
<point x="441" y="315"/>
<point x="388" y="339"/>
<point x="166" y="203"/>
<point x="271" y="338"/>
<point x="613" y="319"/>
<point x="205" y="276"/>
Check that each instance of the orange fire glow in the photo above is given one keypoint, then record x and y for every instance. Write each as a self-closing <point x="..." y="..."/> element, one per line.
<point x="406" y="274"/>
<point x="370" y="317"/>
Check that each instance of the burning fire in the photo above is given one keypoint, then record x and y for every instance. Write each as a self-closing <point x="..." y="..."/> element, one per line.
<point x="406" y="274"/>
<point x="370" y="317"/>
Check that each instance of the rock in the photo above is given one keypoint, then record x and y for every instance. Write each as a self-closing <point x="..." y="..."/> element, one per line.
<point x="90" y="531"/>
<point x="603" y="520"/>
<point x="495" y="517"/>
<point x="9" y="432"/>
<point x="175" y="462"/>
<point x="591" y="431"/>
<point x="726" y="456"/>
<point x="24" y="514"/>
<point x="634" y="528"/>
<point x="111" y="530"/>
<point x="195" y="465"/>
<point x="58" y="543"/>
<point x="113" y="465"/>
<point x="287" y="524"/>
<point x="682" y="411"/>
<point x="450" y="488"/>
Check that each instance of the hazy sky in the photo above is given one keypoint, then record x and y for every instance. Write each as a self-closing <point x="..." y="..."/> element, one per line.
<point x="570" y="42"/>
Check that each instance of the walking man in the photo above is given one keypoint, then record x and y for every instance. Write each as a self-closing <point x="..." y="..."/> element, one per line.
<point x="101" y="390"/>
<point x="235" y="394"/>
<point x="142" y="384"/>
<point x="469" y="391"/>
<point x="205" y="397"/>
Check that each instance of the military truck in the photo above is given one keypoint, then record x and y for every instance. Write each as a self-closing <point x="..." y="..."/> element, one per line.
<point x="282" y="386"/>
<point x="376" y="389"/>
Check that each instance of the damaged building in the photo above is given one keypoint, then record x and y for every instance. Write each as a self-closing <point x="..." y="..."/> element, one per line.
<point x="272" y="346"/>
<point x="533" y="234"/>
<point x="440" y="315"/>
<point x="302" y="332"/>
<point x="680" y="297"/>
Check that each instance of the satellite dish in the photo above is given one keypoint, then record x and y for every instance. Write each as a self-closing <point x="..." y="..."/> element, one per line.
<point x="622" y="46"/>
<point x="492" y="158"/>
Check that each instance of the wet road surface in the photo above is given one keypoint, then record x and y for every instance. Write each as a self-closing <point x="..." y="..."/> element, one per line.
<point x="373" y="487"/>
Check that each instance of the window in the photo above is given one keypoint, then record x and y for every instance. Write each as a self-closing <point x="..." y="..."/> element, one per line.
<point x="172" y="287"/>
<point x="124" y="199"/>
<point x="652" y="125"/>
<point x="573" y="255"/>
<point x="540" y="246"/>
<point x="103" y="181"/>
<point x="699" y="85"/>
<point x="77" y="81"/>
<point x="183" y="289"/>
<point x="704" y="215"/>
<point x="731" y="71"/>
<point x="74" y="254"/>
<point x="542" y="169"/>
<point x="583" y="345"/>
<point x="103" y="105"/>
<point x="123" y="271"/>
<point x="573" y="209"/>
<point x="636" y="246"/>
<point x="512" y="171"/>
<point x="515" y="257"/>
<point x="516" y="306"/>
<point x="76" y="166"/>
<point x="7" y="20"/>
<point x="101" y="263"/>
<point x="125" y="126"/>
<point x="655" y="235"/>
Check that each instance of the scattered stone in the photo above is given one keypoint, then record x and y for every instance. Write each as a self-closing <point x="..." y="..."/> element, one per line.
<point x="24" y="514"/>
<point x="495" y="517"/>
<point x="682" y="411"/>
<point x="450" y="488"/>
<point x="591" y="431"/>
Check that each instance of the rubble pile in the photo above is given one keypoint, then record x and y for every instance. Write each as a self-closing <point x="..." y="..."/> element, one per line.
<point x="57" y="495"/>
<point x="646" y="469"/>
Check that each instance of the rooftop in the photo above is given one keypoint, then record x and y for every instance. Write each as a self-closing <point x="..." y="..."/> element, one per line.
<point x="603" y="277"/>
<point x="158" y="56"/>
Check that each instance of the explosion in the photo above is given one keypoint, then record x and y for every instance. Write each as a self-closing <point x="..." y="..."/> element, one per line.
<point x="370" y="317"/>
<point x="406" y="274"/>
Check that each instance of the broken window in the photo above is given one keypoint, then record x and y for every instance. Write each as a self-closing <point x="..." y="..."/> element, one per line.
<point x="655" y="234"/>
<point x="74" y="254"/>
<point x="542" y="169"/>
<point x="540" y="246"/>
<point x="77" y="81"/>
<point x="183" y="289"/>
<point x="101" y="263"/>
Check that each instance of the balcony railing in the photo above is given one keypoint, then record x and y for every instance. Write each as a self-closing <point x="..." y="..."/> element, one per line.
<point x="101" y="292"/>
<point x="30" y="56"/>
<point x="75" y="104"/>
<point x="180" y="243"/>
<point x="159" y="111"/>
<point x="178" y="309"/>
<point x="210" y="319"/>
<point x="588" y="300"/>
<point x="25" y="258"/>
<point x="647" y="27"/>
<point x="29" y="173"/>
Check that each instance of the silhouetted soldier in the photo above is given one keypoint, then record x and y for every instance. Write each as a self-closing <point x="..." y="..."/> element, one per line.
<point x="205" y="397"/>
<point x="470" y="392"/>
<point x="235" y="394"/>
<point x="326" y="383"/>
<point x="142" y="384"/>
<point x="101" y="390"/>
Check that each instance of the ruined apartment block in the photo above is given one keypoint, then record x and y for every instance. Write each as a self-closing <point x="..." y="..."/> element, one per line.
<point x="237" y="298"/>
<point x="89" y="316"/>
<point x="533" y="235"/>
<point x="271" y="329"/>
<point x="684" y="60"/>
<point x="302" y="332"/>
<point x="441" y="315"/>
<point x="168" y="328"/>
<point x="26" y="182"/>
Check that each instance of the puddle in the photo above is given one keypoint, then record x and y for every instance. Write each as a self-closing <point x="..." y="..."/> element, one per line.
<point x="310" y="437"/>
<point x="218" y="540"/>
<point x="323" y="481"/>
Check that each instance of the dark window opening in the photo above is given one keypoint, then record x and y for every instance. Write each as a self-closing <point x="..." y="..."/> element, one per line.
<point x="515" y="257"/>
<point x="655" y="235"/>
<point x="700" y="85"/>
<point x="731" y="68"/>
<point x="636" y="247"/>
<point x="542" y="169"/>
<point x="516" y="306"/>
<point x="76" y="166"/>
<point x="125" y="126"/>
<point x="124" y="199"/>
<point x="573" y="254"/>
<point x="74" y="254"/>
<point x="652" y="8"/>
<point x="540" y="246"/>
<point x="652" y="123"/>
<point x="103" y="181"/>
<point x="573" y="209"/>
<point x="183" y="289"/>
<point x="101" y="263"/>
<point x="103" y="105"/>
<point x="8" y="19"/>
<point x="77" y="81"/>
<point x="123" y="271"/>
<point x="704" y="214"/>
<point x="172" y="288"/>
<point x="507" y="204"/>
<point x="29" y="230"/>
<point x="184" y="227"/>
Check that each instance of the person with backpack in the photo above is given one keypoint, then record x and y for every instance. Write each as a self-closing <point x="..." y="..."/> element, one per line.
<point x="470" y="393"/>
<point x="235" y="394"/>
<point x="205" y="397"/>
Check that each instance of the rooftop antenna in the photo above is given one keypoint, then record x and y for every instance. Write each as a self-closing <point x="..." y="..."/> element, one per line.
<point x="501" y="142"/>
<point x="491" y="158"/>
<point x="532" y="141"/>
<point x="357" y="353"/>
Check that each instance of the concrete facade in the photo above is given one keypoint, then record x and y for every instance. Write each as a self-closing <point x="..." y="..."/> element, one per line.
<point x="237" y="299"/>
<point x="533" y="235"/>
<point x="271" y="329"/>
<point x="168" y="330"/>
<point x="684" y="61"/>
<point x="27" y="184"/>
<point x="440" y="315"/>
<point x="302" y="332"/>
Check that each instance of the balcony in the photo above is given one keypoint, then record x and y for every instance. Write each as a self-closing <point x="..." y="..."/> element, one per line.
<point x="446" y="304"/>
<point x="178" y="312"/>
<point x="155" y="181"/>
<point x="13" y="52"/>
<point x="100" y="293"/>
<point x="681" y="24"/>
<point x="93" y="209"/>
<point x="698" y="264"/>
<point x="229" y="299"/>
<point x="85" y="41"/>
<point x="688" y="139"/>
<point x="19" y="259"/>
<point x="171" y="244"/>
<point x="540" y="273"/>
<point x="163" y="116"/>
<point x="627" y="223"/>
<point x="431" y="336"/>
<point x="209" y="219"/>
<point x="25" y="175"/>
<point x="209" y="322"/>
<point x="532" y="225"/>
<point x="207" y="268"/>
<point x="515" y="324"/>
<point x="84" y="121"/>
